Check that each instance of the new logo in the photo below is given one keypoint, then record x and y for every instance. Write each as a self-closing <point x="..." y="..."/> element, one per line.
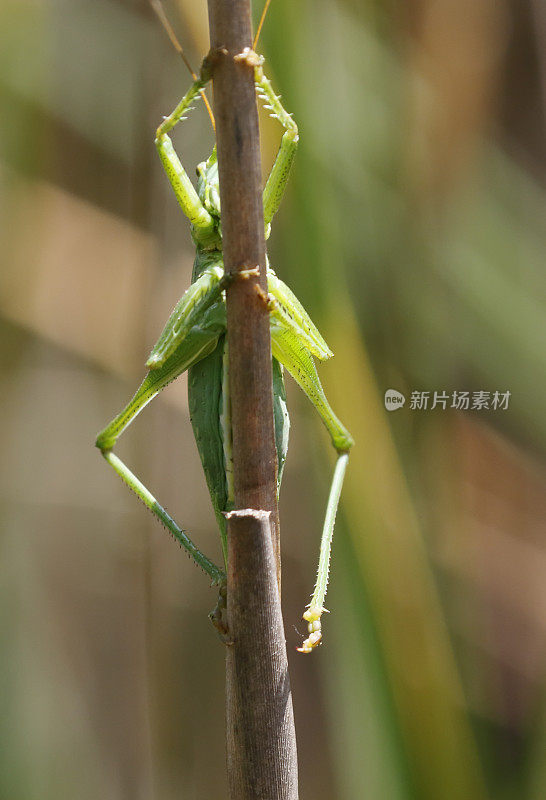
<point x="394" y="400"/>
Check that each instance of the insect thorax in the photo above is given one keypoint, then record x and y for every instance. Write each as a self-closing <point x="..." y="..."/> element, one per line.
<point x="205" y="259"/>
<point x="209" y="237"/>
<point x="208" y="186"/>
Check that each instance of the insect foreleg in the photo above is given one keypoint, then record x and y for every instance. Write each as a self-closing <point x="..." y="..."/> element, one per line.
<point x="278" y="177"/>
<point x="185" y="193"/>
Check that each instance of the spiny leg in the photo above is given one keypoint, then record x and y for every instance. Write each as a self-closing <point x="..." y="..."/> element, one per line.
<point x="200" y="305"/>
<point x="316" y="607"/>
<point x="280" y="172"/>
<point x="294" y="355"/>
<point x="196" y="346"/>
<point x="189" y="311"/>
<point x="278" y="177"/>
<point x="216" y="574"/>
<point x="286" y="309"/>
<point x="183" y="188"/>
<point x="289" y="350"/>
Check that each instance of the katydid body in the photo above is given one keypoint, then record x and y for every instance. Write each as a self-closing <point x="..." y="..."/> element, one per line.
<point x="194" y="339"/>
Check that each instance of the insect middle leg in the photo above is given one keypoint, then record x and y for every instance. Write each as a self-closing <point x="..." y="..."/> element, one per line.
<point x="190" y="310"/>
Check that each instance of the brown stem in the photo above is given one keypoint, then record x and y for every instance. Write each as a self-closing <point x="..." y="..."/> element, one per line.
<point x="261" y="742"/>
<point x="261" y="737"/>
<point x="238" y="143"/>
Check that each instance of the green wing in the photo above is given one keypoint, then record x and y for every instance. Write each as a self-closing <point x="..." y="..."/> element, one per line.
<point x="206" y="402"/>
<point x="282" y="419"/>
<point x="288" y="312"/>
<point x="292" y="351"/>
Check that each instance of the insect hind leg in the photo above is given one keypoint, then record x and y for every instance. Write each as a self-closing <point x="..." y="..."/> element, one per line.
<point x="216" y="574"/>
<point x="289" y="350"/>
<point x="195" y="347"/>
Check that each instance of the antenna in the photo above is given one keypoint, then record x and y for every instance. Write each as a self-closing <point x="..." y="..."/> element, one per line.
<point x="157" y="6"/>
<point x="260" y="24"/>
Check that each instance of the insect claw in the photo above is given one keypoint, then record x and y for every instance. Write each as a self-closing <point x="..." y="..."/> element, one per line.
<point x="249" y="57"/>
<point x="218" y="616"/>
<point x="312" y="641"/>
<point x="312" y="617"/>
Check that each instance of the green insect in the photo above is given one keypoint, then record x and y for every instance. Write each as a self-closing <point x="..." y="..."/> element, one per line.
<point x="194" y="339"/>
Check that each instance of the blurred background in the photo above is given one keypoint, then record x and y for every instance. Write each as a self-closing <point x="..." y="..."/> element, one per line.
<point x="413" y="231"/>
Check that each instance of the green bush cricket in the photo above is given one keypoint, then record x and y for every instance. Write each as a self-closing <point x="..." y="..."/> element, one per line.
<point x="194" y="339"/>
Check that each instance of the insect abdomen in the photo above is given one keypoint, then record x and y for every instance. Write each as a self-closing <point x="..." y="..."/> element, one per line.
<point x="205" y="404"/>
<point x="210" y="418"/>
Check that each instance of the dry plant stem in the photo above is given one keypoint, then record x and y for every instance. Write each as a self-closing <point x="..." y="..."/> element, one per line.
<point x="261" y="743"/>
<point x="262" y="759"/>
<point x="249" y="341"/>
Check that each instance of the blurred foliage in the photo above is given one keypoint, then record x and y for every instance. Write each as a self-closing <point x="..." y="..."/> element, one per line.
<point x="414" y="233"/>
